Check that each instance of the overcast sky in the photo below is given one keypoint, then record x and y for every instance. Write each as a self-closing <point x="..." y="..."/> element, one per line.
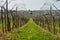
<point x="33" y="4"/>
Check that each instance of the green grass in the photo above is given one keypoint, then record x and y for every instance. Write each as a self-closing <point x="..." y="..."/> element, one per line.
<point x="31" y="32"/>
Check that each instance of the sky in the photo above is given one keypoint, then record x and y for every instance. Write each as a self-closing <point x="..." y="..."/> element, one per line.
<point x="33" y="4"/>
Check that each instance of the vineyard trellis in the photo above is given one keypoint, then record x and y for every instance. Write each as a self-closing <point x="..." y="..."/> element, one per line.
<point x="49" y="21"/>
<point x="10" y="19"/>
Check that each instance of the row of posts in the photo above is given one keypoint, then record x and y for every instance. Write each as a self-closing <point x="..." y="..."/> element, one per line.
<point x="5" y="17"/>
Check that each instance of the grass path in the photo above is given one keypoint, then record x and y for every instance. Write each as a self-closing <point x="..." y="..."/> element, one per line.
<point x="31" y="32"/>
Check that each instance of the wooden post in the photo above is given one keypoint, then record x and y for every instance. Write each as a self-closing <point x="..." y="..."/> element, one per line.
<point x="8" y="22"/>
<point x="2" y="19"/>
